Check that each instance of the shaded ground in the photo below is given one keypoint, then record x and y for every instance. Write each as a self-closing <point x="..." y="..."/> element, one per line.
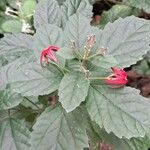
<point x="139" y="81"/>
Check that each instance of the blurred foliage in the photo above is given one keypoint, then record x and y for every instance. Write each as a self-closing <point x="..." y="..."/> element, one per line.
<point x="16" y="16"/>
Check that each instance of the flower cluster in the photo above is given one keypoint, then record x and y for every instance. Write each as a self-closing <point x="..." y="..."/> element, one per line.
<point x="116" y="80"/>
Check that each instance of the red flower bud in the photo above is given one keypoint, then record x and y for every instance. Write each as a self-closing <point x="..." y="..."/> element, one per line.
<point x="117" y="79"/>
<point x="48" y="53"/>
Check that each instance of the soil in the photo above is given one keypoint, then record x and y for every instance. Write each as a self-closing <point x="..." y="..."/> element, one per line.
<point x="139" y="81"/>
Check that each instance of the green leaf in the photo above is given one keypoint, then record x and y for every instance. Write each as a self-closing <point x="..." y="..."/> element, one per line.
<point x="73" y="65"/>
<point x="73" y="90"/>
<point x="60" y="2"/>
<point x="11" y="25"/>
<point x="45" y="36"/>
<point x="12" y="3"/>
<point x="13" y="134"/>
<point x="16" y="43"/>
<point x="47" y="11"/>
<point x="2" y="5"/>
<point x="27" y="8"/>
<point x="54" y="128"/>
<point x="121" y="111"/>
<point x="7" y="72"/>
<point x="142" y="66"/>
<point x="66" y="53"/>
<point x="71" y="7"/>
<point x="106" y="61"/>
<point x="97" y="71"/>
<point x="33" y="80"/>
<point x="78" y="29"/>
<point x="126" y="39"/>
<point x="9" y="99"/>
<point x="141" y="4"/>
<point x="114" y="13"/>
<point x="116" y="143"/>
<point x="126" y="144"/>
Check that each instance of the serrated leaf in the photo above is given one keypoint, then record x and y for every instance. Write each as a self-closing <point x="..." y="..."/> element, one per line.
<point x="66" y="53"/>
<point x="106" y="61"/>
<point x="7" y="72"/>
<point x="114" y="13"/>
<point x="16" y="43"/>
<point x="9" y="99"/>
<point x="78" y="29"/>
<point x="121" y="111"/>
<point x="126" y="39"/>
<point x="54" y="128"/>
<point x="46" y="35"/>
<point x="141" y="4"/>
<point x="73" y="90"/>
<point x="47" y="11"/>
<point x="70" y="7"/>
<point x="13" y="135"/>
<point x="33" y="80"/>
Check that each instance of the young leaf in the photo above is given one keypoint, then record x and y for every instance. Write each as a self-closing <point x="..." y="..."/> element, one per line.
<point x="13" y="134"/>
<point x="121" y="111"/>
<point x="32" y="80"/>
<point x="104" y="61"/>
<point x="73" y="65"/>
<point x="73" y="90"/>
<point x="9" y="99"/>
<point x="54" y="128"/>
<point x="126" y="39"/>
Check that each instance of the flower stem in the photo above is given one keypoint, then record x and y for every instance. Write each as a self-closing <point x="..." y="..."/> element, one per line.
<point x="32" y="103"/>
<point x="92" y="56"/>
<point x="98" y="78"/>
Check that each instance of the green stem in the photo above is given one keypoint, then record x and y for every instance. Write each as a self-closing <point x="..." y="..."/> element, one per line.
<point x="92" y="56"/>
<point x="65" y="69"/>
<point x="32" y="103"/>
<point x="98" y="78"/>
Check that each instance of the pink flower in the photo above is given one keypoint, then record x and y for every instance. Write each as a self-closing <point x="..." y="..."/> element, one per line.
<point x="48" y="53"/>
<point x="117" y="79"/>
